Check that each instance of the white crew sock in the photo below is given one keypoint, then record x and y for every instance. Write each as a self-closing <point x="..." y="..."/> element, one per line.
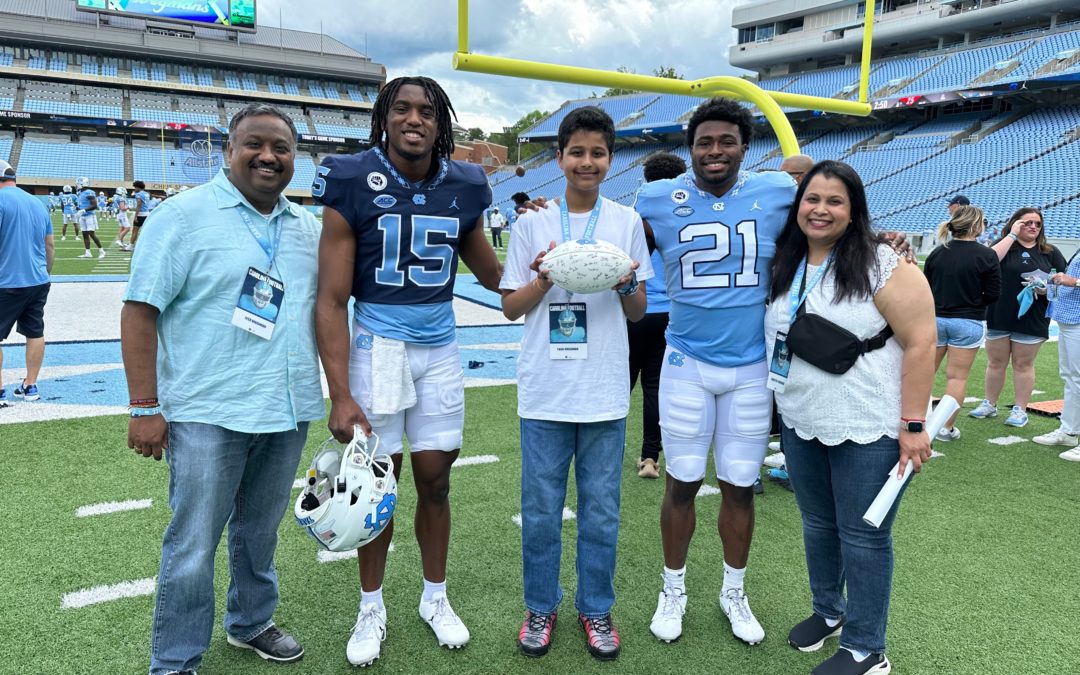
<point x="375" y="596"/>
<point x="675" y="579"/>
<point x="733" y="578"/>
<point x="832" y="623"/>
<point x="860" y="656"/>
<point x="431" y="588"/>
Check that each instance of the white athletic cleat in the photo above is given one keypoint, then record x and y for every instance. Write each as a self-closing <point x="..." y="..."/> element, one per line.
<point x="775" y="460"/>
<point x="743" y="624"/>
<point x="667" y="620"/>
<point x="1057" y="437"/>
<point x="367" y="635"/>
<point x="1071" y="455"/>
<point x="101" y="253"/>
<point x="63" y="238"/>
<point x="948" y="435"/>
<point x="86" y="254"/>
<point x="774" y="446"/>
<point x="448" y="628"/>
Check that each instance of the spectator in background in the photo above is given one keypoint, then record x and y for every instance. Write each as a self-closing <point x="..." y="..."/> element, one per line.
<point x="1066" y="311"/>
<point x="965" y="277"/>
<point x="956" y="202"/>
<point x="647" y="344"/>
<point x="1015" y="335"/>
<point x="498" y="222"/>
<point x="519" y="199"/>
<point x="26" y="258"/>
<point x="797" y="166"/>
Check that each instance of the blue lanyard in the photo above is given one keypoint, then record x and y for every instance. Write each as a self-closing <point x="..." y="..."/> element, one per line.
<point x="267" y="247"/>
<point x="796" y="299"/>
<point x="590" y="227"/>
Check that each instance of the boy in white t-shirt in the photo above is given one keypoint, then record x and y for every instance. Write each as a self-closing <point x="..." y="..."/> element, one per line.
<point x="573" y="388"/>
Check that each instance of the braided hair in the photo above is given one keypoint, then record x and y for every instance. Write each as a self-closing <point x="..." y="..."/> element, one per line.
<point x="444" y="110"/>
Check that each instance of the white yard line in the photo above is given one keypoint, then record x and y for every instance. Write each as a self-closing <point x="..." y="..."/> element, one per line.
<point x="707" y="491"/>
<point x="113" y="507"/>
<point x="475" y="459"/>
<point x="325" y="556"/>
<point x="1006" y="440"/>
<point x="567" y="514"/>
<point x="100" y="594"/>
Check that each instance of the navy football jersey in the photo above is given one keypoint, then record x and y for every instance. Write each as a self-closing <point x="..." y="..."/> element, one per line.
<point x="407" y="239"/>
<point x="717" y="252"/>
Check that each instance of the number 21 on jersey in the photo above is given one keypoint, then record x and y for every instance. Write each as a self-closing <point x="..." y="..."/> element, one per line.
<point x="721" y="236"/>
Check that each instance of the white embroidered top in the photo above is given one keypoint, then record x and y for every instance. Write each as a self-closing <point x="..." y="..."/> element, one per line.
<point x="863" y="404"/>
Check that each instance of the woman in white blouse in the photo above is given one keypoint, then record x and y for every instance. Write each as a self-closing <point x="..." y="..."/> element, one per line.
<point x="842" y="433"/>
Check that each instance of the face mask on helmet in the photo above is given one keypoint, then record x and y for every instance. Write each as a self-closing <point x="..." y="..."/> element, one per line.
<point x="567" y="322"/>
<point x="263" y="293"/>
<point x="350" y="494"/>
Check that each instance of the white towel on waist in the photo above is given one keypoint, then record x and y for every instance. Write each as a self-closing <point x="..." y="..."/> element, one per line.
<point x="392" y="387"/>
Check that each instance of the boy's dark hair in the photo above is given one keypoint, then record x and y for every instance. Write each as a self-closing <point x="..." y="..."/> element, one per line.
<point x="139" y="184"/>
<point x="445" y="114"/>
<point x="589" y="118"/>
<point x="663" y="165"/>
<point x="721" y="110"/>
<point x="519" y="198"/>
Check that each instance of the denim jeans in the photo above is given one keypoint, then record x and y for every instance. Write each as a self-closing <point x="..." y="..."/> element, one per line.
<point x="834" y="485"/>
<point x="546" y="450"/>
<point x="218" y="476"/>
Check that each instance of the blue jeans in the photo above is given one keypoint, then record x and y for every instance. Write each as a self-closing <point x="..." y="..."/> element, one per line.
<point x="218" y="476"/>
<point x="546" y="451"/>
<point x="834" y="485"/>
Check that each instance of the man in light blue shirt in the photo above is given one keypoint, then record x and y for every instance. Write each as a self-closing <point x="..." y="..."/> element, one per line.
<point x="1065" y="309"/>
<point x="26" y="257"/>
<point x="230" y="407"/>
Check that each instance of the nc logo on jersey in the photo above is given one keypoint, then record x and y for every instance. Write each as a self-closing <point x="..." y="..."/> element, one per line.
<point x="419" y="199"/>
<point x="384" y="201"/>
<point x="683" y="211"/>
<point x="376" y="181"/>
<point x="383" y="513"/>
<point x="676" y="359"/>
<point x="680" y="196"/>
<point x="364" y="341"/>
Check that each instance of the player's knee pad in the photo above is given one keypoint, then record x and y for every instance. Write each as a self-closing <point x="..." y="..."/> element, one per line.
<point x="738" y="462"/>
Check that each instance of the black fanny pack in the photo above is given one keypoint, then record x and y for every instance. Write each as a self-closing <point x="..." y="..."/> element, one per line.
<point x="824" y="345"/>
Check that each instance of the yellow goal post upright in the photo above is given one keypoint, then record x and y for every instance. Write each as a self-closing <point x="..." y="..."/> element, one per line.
<point x="768" y="102"/>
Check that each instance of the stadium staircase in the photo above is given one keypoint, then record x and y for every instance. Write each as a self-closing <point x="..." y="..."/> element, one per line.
<point x="20" y="98"/>
<point x="887" y="90"/>
<point x="126" y="105"/>
<point x="945" y="147"/>
<point x="129" y="163"/>
<point x="16" y="150"/>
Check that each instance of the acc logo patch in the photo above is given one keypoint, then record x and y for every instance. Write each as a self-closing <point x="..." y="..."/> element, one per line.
<point x="683" y="211"/>
<point x="680" y="196"/>
<point x="384" y="201"/>
<point x="376" y="181"/>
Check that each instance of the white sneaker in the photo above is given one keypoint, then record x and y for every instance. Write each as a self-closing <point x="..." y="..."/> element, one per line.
<point x="448" y="628"/>
<point x="667" y="621"/>
<point x="1057" y="437"/>
<point x="774" y="446"/>
<point x="775" y="460"/>
<point x="367" y="635"/>
<point x="1071" y="455"/>
<point x="743" y="624"/>
<point x="86" y="254"/>
<point x="946" y="435"/>
<point x="63" y="238"/>
<point x="101" y="253"/>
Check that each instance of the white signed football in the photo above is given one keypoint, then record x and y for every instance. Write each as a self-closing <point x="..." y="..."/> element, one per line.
<point x="586" y="266"/>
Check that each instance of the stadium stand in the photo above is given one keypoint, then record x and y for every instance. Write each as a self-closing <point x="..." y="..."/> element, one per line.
<point x="48" y="156"/>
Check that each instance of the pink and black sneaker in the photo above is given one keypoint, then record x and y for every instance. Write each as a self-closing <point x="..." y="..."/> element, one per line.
<point x="535" y="636"/>
<point x="601" y="638"/>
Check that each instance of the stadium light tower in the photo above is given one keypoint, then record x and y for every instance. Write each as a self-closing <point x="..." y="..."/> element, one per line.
<point x="768" y="102"/>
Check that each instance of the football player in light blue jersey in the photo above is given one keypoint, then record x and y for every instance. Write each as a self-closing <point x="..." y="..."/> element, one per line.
<point x="67" y="204"/>
<point x="716" y="229"/>
<point x="395" y="219"/>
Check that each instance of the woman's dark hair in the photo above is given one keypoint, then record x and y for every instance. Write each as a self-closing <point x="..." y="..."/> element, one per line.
<point x="854" y="254"/>
<point x="1040" y="240"/>
<point x="444" y="113"/>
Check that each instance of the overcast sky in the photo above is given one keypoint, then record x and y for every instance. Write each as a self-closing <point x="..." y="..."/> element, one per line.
<point x="418" y="37"/>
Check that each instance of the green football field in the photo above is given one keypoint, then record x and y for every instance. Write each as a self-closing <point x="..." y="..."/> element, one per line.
<point x="986" y="577"/>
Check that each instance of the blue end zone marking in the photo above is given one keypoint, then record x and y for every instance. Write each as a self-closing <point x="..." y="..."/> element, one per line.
<point x="468" y="288"/>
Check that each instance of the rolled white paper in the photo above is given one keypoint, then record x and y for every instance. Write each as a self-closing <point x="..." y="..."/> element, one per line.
<point x="885" y="499"/>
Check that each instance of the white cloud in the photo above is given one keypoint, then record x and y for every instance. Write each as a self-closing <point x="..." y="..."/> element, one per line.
<point x="418" y="37"/>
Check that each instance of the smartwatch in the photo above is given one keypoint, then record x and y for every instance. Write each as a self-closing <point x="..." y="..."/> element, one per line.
<point x="912" y="426"/>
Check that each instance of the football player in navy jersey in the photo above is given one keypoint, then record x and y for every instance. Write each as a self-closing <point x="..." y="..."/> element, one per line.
<point x="397" y="216"/>
<point x="716" y="229"/>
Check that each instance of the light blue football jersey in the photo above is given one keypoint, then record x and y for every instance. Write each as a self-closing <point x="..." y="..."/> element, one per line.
<point x="716" y="253"/>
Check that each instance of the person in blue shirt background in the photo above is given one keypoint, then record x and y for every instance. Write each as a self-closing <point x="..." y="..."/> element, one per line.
<point x="67" y="205"/>
<point x="26" y="258"/>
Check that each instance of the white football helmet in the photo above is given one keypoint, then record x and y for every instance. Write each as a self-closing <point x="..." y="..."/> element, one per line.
<point x="350" y="495"/>
<point x="169" y="192"/>
<point x="81" y="183"/>
<point x="183" y="187"/>
<point x="121" y="192"/>
<point x="67" y="189"/>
